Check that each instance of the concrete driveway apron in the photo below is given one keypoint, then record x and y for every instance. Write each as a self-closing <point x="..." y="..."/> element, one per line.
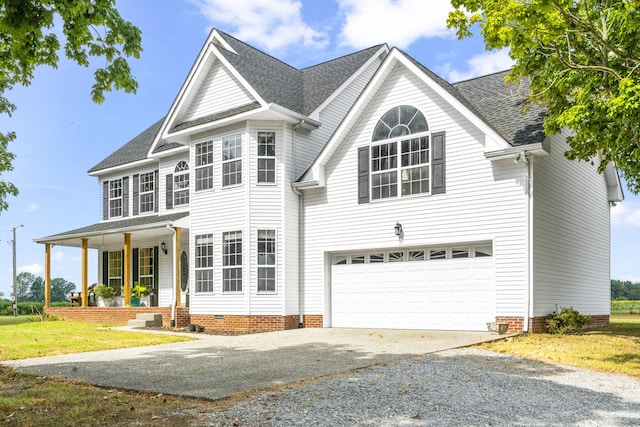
<point x="216" y="366"/>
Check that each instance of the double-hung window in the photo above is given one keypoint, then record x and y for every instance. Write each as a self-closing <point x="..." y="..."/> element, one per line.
<point x="266" y="261"/>
<point x="147" y="188"/>
<point x="266" y="157"/>
<point x="115" y="270"/>
<point x="415" y="165"/>
<point x="232" y="160"/>
<point x="204" y="165"/>
<point x="145" y="267"/>
<point x="384" y="171"/>
<point x="181" y="184"/>
<point x="204" y="262"/>
<point x="232" y="261"/>
<point x="115" y="198"/>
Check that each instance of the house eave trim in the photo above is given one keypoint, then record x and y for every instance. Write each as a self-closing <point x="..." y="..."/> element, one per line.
<point x="537" y="149"/>
<point x="122" y="167"/>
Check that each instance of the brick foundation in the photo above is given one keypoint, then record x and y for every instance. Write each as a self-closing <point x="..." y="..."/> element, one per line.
<point x="245" y="323"/>
<point x="536" y="324"/>
<point x="118" y="315"/>
<point x="313" y="321"/>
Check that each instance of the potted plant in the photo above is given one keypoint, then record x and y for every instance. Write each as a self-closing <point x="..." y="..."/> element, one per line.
<point x="105" y="295"/>
<point x="137" y="292"/>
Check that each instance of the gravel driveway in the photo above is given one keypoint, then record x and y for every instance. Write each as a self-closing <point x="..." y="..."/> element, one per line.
<point x="464" y="387"/>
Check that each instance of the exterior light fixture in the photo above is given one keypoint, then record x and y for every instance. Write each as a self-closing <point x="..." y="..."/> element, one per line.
<point x="163" y="247"/>
<point x="398" y="229"/>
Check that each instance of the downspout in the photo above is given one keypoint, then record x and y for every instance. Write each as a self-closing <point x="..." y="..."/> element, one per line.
<point x="173" y="280"/>
<point x="300" y="227"/>
<point x="529" y="295"/>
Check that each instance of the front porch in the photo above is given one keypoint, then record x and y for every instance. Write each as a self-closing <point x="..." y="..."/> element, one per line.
<point x="118" y="315"/>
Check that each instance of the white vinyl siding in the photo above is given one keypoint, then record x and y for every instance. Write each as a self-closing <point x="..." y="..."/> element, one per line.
<point x="571" y="245"/>
<point x="216" y="89"/>
<point x="483" y="201"/>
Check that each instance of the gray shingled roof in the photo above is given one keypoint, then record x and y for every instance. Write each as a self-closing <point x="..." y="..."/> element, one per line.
<point x="103" y="227"/>
<point x="501" y="106"/>
<point x="304" y="90"/>
<point x="132" y="151"/>
<point x="217" y="116"/>
<point x="320" y="81"/>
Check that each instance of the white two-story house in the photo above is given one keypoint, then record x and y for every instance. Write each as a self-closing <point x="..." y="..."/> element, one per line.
<point x="365" y="191"/>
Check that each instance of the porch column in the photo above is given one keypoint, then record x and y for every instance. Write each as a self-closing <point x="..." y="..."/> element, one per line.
<point x="127" y="269"/>
<point x="177" y="267"/>
<point x="47" y="275"/>
<point x="85" y="274"/>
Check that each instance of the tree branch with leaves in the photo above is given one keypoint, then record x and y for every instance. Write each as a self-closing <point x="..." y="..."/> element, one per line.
<point x="90" y="28"/>
<point x="581" y="58"/>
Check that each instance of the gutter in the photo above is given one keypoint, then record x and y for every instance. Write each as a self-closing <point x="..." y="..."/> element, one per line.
<point x="529" y="280"/>
<point x="296" y="189"/>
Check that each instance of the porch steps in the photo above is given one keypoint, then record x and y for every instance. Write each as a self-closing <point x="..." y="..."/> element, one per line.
<point x="146" y="320"/>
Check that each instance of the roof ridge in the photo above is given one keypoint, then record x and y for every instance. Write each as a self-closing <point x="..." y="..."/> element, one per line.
<point x="255" y="48"/>
<point x="378" y="46"/>
<point x="482" y="76"/>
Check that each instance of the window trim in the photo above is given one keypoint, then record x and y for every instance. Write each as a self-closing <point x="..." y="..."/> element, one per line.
<point x="115" y="199"/>
<point x="203" y="267"/>
<point x="264" y="157"/>
<point x="266" y="262"/>
<point x="237" y="139"/>
<point x="149" y="204"/>
<point x="203" y="161"/>
<point x="181" y="171"/>
<point x="232" y="261"/>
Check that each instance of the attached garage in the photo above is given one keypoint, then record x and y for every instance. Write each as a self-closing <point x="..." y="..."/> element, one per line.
<point x="441" y="288"/>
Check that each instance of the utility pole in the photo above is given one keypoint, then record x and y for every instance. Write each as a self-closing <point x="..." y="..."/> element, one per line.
<point x="15" y="284"/>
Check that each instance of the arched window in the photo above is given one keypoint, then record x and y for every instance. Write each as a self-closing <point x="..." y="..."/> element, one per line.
<point x="181" y="184"/>
<point x="404" y="158"/>
<point x="400" y="121"/>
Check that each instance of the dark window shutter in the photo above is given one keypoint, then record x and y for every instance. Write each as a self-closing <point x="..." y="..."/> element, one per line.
<point x="125" y="196"/>
<point x="169" y="191"/>
<point x="438" y="173"/>
<point x="135" y="264"/>
<point x="156" y="190"/>
<point x="123" y="262"/>
<point x="155" y="269"/>
<point x="363" y="175"/>
<point x="136" y="191"/>
<point x="105" y="267"/>
<point x="105" y="200"/>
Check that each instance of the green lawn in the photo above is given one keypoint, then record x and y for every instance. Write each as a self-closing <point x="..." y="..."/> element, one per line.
<point x="612" y="349"/>
<point x="27" y="336"/>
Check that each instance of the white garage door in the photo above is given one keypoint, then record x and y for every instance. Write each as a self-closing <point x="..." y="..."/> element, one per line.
<point x="446" y="294"/>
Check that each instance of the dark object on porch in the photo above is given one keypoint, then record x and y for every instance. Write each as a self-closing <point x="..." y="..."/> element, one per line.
<point x="76" y="297"/>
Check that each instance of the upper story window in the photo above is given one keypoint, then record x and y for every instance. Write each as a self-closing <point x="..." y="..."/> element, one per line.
<point x="181" y="184"/>
<point x="204" y="165"/>
<point x="232" y="160"/>
<point x="266" y="157"/>
<point x="115" y="198"/>
<point x="147" y="190"/>
<point x="404" y="158"/>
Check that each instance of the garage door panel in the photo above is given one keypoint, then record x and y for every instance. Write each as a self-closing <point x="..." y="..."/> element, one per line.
<point x="455" y="294"/>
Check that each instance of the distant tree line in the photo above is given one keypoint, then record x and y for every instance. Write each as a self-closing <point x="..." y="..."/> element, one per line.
<point x="626" y="290"/>
<point x="31" y="288"/>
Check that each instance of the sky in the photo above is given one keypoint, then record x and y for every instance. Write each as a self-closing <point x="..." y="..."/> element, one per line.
<point x="61" y="134"/>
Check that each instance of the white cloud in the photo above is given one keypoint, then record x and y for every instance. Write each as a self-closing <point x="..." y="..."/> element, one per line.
<point x="273" y="24"/>
<point x="625" y="215"/>
<point x="32" y="208"/>
<point x="396" y="22"/>
<point x="628" y="277"/>
<point x="35" y="269"/>
<point x="480" y="65"/>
